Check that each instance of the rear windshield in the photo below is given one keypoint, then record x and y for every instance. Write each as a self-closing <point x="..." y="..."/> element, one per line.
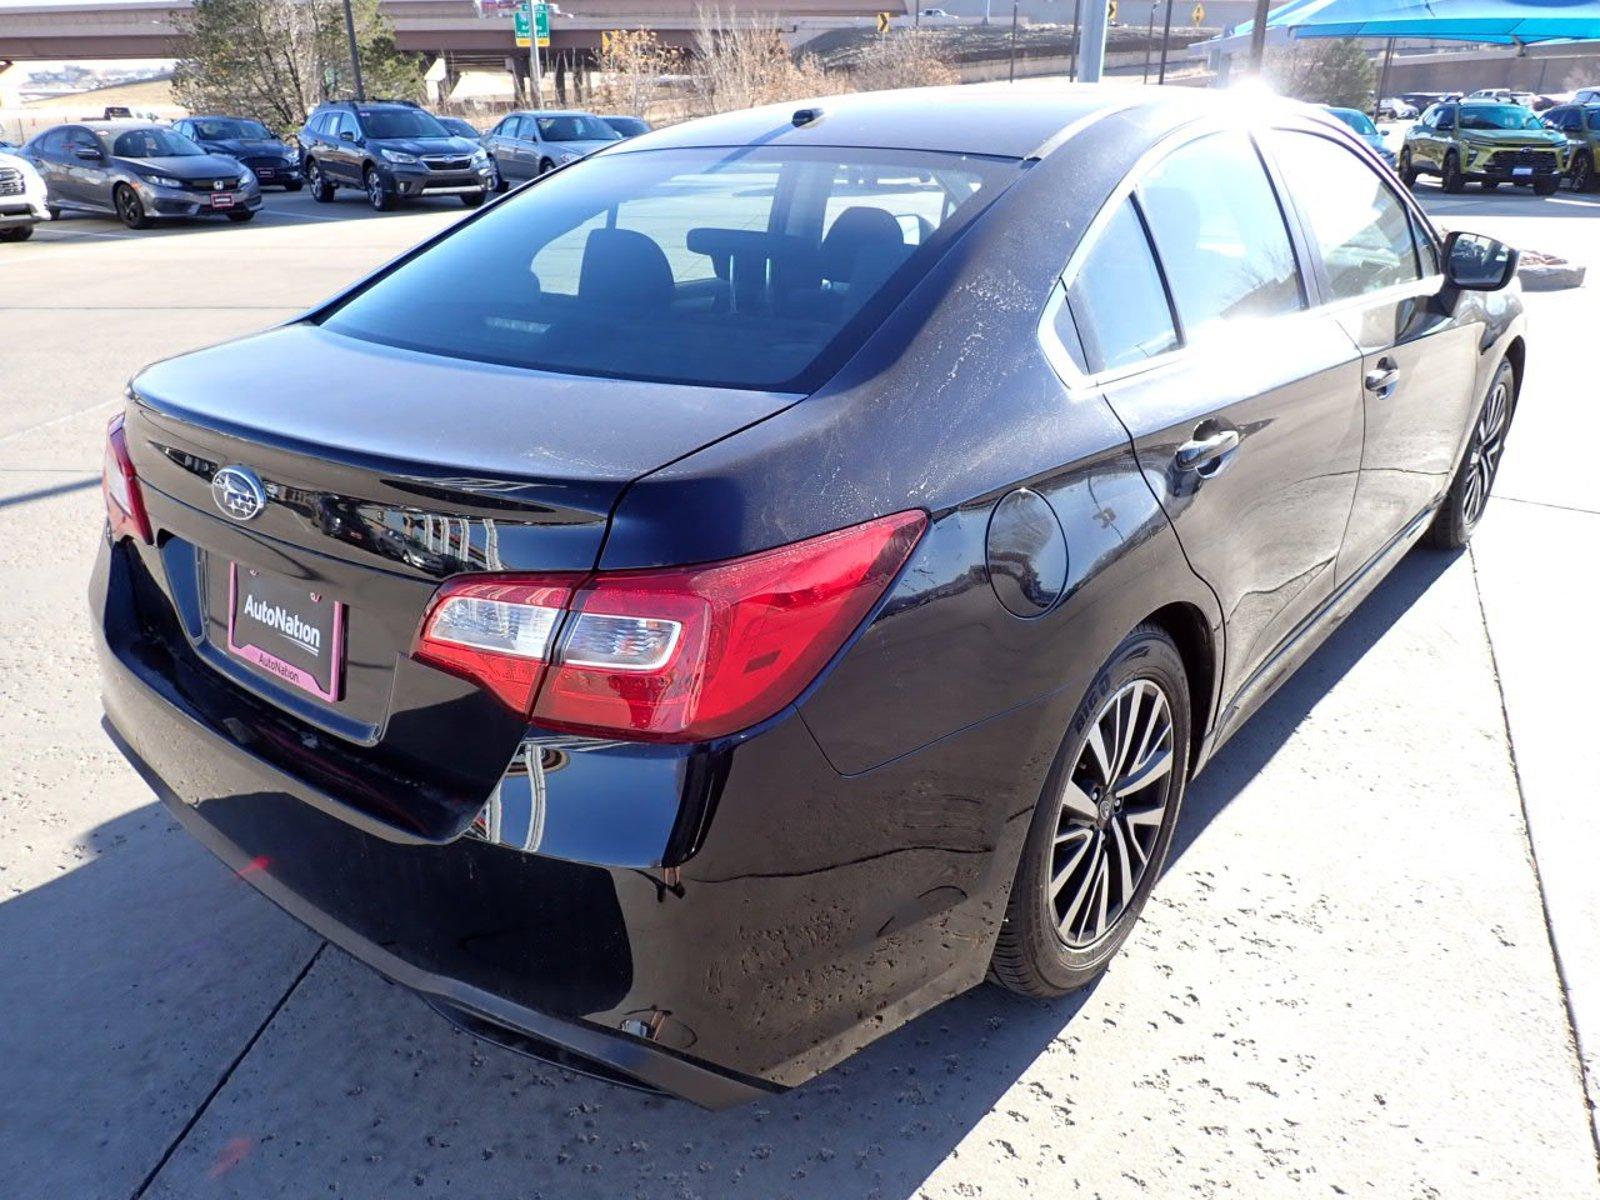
<point x="1359" y="121"/>
<point x="756" y="268"/>
<point x="399" y="123"/>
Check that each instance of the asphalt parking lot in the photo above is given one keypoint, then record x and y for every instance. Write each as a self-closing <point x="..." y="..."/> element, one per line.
<point x="1372" y="969"/>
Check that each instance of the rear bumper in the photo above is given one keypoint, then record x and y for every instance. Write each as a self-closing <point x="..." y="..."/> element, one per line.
<point x="809" y="912"/>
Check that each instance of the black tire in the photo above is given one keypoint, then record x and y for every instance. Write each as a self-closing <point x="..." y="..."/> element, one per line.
<point x="130" y="209"/>
<point x="379" y="197"/>
<point x="17" y="233"/>
<point x="1081" y="823"/>
<point x="546" y="166"/>
<point x="1450" y="177"/>
<point x="473" y="199"/>
<point x="1546" y="186"/>
<point x="293" y="187"/>
<point x="321" y="189"/>
<point x="55" y="213"/>
<point x="243" y="217"/>
<point x="1406" y="170"/>
<point x="1469" y="492"/>
<point x="1581" y="173"/>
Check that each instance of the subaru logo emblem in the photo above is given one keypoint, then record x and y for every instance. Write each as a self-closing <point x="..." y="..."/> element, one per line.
<point x="237" y="491"/>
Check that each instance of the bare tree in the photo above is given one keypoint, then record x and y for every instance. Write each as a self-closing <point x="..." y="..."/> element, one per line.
<point x="744" y="62"/>
<point x="902" y="58"/>
<point x="1325" y="71"/>
<point x="632" y="62"/>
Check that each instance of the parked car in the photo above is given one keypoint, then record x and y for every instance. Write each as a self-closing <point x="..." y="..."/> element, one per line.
<point x="1580" y="125"/>
<point x="1364" y="128"/>
<point x="270" y="159"/>
<point x="525" y="145"/>
<point x="391" y="151"/>
<point x="460" y="128"/>
<point x="22" y="198"/>
<point x="627" y="126"/>
<point x="1483" y="141"/>
<point x="140" y="173"/>
<point x="1394" y="108"/>
<point x="1586" y="95"/>
<point x="709" y="631"/>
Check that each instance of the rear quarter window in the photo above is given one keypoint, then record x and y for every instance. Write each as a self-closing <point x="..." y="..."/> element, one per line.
<point x="1119" y="305"/>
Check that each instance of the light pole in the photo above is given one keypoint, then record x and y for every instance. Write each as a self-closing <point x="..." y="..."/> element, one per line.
<point x="1166" y="33"/>
<point x="1072" y="62"/>
<point x="355" y="53"/>
<point x="1012" y="74"/>
<point x="1149" y="37"/>
<point x="1258" y="37"/>
<point x="1093" y="59"/>
<point x="533" y="54"/>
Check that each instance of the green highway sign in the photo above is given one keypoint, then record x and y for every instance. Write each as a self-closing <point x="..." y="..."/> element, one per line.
<point x="539" y="20"/>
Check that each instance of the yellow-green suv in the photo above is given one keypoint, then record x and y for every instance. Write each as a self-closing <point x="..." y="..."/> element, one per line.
<point x="1580" y="125"/>
<point x="1487" y="141"/>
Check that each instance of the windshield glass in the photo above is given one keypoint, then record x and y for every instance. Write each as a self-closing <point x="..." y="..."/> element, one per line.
<point x="1497" y="116"/>
<point x="579" y="127"/>
<point x="627" y="126"/>
<point x="153" y="143"/>
<point x="1357" y="120"/>
<point x="752" y="267"/>
<point x="458" y="127"/>
<point x="1594" y="118"/>
<point x="218" y="129"/>
<point x="400" y="123"/>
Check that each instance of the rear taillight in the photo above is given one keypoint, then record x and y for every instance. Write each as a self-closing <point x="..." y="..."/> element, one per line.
<point x="674" y="655"/>
<point x="120" y="486"/>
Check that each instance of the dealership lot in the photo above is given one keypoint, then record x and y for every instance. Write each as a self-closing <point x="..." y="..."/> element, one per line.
<point x="1361" y="975"/>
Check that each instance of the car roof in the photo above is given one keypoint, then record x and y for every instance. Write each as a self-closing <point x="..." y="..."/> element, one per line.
<point x="551" y="112"/>
<point x="1002" y="120"/>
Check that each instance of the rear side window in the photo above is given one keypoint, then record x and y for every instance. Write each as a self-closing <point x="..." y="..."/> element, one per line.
<point x="1118" y="302"/>
<point x="755" y="268"/>
<point x="1220" y="234"/>
<point x="1358" y="224"/>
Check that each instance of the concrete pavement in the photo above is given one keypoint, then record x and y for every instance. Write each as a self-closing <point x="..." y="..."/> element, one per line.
<point x="1360" y="976"/>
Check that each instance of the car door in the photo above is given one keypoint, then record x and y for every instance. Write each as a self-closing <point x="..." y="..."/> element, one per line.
<point x="1378" y="268"/>
<point x="503" y="145"/>
<point x="530" y="147"/>
<point x="86" y="182"/>
<point x="47" y="153"/>
<point x="344" y="155"/>
<point x="1243" y="403"/>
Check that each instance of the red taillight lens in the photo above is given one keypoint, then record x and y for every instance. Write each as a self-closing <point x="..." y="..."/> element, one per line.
<point x="698" y="652"/>
<point x="674" y="655"/>
<point x="120" y="486"/>
<point x="497" y="631"/>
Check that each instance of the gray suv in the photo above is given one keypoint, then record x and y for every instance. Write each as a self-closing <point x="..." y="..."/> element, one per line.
<point x="140" y="173"/>
<point x="392" y="151"/>
<point x="527" y="144"/>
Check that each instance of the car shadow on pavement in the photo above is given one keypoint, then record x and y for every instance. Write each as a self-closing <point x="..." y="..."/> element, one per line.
<point x="131" y="988"/>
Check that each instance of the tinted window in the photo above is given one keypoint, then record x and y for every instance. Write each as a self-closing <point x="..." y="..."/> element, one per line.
<point x="576" y="127"/>
<point x="707" y="266"/>
<point x="1446" y="118"/>
<point x="154" y="143"/>
<point x="1220" y="234"/>
<point x="400" y="123"/>
<point x="1594" y="118"/>
<point x="1497" y="116"/>
<point x="1358" y="224"/>
<point x="223" y="128"/>
<point x="1118" y="303"/>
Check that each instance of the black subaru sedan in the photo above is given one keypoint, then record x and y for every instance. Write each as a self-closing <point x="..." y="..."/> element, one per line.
<point x="756" y="583"/>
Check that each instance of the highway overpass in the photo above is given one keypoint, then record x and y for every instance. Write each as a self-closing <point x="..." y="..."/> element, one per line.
<point x="100" y="29"/>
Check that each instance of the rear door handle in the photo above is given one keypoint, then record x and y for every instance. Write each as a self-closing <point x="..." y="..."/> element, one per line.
<point x="1205" y="452"/>
<point x="1382" y="381"/>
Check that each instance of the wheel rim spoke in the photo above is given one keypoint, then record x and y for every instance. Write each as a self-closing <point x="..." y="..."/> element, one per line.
<point x="1112" y="812"/>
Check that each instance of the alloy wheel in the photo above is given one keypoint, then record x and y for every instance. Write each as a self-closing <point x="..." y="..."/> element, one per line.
<point x="129" y="210"/>
<point x="1483" y="460"/>
<point x="1582" y="168"/>
<point x="1112" y="808"/>
<point x="374" y="189"/>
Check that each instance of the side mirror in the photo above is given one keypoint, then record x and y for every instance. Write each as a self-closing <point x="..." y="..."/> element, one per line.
<point x="346" y="136"/>
<point x="1477" y="263"/>
<point x="88" y="153"/>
